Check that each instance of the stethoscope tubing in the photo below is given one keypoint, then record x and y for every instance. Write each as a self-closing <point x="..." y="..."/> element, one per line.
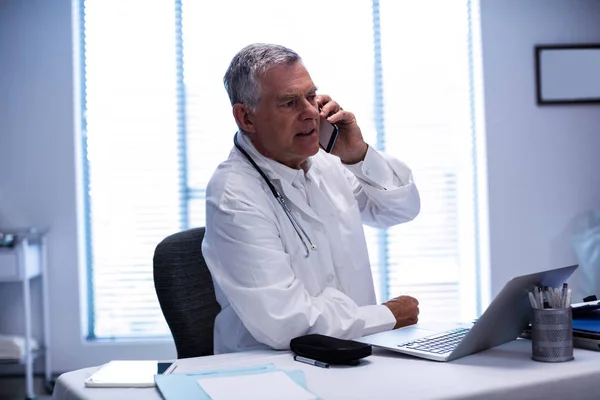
<point x="280" y="199"/>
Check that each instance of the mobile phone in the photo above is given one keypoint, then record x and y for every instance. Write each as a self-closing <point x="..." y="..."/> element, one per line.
<point x="328" y="134"/>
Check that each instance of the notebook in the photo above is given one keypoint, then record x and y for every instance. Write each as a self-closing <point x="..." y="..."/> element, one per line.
<point x="504" y="320"/>
<point x="128" y="373"/>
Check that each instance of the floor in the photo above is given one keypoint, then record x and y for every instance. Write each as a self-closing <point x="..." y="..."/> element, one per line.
<point x="13" y="388"/>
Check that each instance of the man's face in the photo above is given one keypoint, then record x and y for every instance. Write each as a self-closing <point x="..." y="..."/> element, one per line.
<point x="286" y="122"/>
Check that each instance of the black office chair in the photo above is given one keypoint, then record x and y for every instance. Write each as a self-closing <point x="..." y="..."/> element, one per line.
<point x="186" y="293"/>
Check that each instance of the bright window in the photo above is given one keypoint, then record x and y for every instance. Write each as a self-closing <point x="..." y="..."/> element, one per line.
<point x="157" y="122"/>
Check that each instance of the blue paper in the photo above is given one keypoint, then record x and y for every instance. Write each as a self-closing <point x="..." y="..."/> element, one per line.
<point x="185" y="386"/>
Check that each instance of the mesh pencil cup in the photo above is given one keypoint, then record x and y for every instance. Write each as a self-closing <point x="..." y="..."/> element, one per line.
<point x="552" y="335"/>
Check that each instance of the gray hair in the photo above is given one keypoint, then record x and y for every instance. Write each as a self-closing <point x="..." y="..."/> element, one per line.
<point x="241" y="78"/>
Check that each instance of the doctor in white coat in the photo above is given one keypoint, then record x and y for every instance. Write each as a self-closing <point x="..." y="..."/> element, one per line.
<point x="284" y="219"/>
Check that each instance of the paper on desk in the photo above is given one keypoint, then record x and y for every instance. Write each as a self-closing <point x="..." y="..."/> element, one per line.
<point x="271" y="385"/>
<point x="183" y="386"/>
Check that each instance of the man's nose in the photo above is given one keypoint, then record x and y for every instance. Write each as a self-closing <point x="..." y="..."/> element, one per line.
<point x="309" y="110"/>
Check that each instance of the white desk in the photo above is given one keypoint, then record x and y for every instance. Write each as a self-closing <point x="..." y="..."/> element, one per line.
<point x="504" y="372"/>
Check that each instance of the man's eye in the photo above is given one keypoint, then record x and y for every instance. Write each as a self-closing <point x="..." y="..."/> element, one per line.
<point x="311" y="97"/>
<point x="290" y="103"/>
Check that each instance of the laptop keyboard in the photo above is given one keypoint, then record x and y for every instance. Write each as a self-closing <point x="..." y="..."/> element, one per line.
<point x="440" y="343"/>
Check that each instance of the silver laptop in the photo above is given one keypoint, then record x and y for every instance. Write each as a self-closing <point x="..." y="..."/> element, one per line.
<point x="504" y="320"/>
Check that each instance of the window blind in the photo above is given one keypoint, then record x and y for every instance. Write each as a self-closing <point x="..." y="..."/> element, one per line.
<point x="132" y="159"/>
<point x="427" y="113"/>
<point x="159" y="122"/>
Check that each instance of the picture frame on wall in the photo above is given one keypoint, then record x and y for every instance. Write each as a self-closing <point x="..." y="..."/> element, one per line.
<point x="567" y="74"/>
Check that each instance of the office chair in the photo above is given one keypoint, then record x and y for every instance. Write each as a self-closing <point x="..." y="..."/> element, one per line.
<point x="186" y="293"/>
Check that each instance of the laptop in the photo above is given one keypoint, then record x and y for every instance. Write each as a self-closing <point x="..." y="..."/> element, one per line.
<point x="504" y="320"/>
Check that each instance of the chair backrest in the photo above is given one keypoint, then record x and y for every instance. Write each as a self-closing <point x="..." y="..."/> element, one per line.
<point x="186" y="293"/>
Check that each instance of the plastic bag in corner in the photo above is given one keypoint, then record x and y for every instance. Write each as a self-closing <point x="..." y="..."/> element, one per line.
<point x="586" y="242"/>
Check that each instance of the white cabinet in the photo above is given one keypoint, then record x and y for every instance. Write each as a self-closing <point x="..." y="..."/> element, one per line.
<point x="24" y="261"/>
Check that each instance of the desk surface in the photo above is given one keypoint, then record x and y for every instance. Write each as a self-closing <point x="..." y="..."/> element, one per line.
<point x="506" y="371"/>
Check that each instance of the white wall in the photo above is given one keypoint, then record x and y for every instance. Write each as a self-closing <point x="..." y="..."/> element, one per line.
<point x="543" y="162"/>
<point x="37" y="148"/>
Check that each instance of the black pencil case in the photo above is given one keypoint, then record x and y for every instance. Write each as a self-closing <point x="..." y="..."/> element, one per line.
<point x="329" y="349"/>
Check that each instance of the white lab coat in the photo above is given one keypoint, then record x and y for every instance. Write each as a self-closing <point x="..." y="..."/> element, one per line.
<point x="269" y="291"/>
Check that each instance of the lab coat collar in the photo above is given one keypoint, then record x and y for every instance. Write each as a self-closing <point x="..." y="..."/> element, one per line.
<point x="281" y="173"/>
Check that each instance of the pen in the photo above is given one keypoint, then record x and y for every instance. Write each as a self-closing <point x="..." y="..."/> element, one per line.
<point x="558" y="298"/>
<point x="532" y="300"/>
<point x="170" y="369"/>
<point x="540" y="297"/>
<point x="547" y="299"/>
<point x="311" y="361"/>
<point x="563" y="300"/>
<point x="554" y="297"/>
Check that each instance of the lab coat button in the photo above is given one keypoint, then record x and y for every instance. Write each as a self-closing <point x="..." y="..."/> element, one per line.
<point x="329" y="278"/>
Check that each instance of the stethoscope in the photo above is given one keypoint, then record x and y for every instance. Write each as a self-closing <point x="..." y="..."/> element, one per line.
<point x="297" y="227"/>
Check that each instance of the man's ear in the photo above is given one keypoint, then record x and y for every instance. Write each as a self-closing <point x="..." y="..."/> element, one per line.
<point x="244" y="118"/>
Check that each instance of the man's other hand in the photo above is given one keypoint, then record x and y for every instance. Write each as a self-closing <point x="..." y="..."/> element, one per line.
<point x="405" y="310"/>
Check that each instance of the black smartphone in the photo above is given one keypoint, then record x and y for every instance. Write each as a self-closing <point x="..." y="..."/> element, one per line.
<point x="328" y="134"/>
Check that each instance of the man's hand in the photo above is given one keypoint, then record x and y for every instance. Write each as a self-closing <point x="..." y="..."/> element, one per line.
<point x="350" y="146"/>
<point x="405" y="309"/>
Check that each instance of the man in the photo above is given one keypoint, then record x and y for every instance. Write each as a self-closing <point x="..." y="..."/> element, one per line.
<point x="298" y="264"/>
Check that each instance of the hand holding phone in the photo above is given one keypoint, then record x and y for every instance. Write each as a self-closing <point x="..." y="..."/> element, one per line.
<point x="350" y="147"/>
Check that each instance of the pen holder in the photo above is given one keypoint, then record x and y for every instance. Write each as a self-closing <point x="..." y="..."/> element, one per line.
<point x="552" y="334"/>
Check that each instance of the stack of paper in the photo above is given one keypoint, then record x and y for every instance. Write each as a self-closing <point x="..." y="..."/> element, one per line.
<point x="13" y="347"/>
<point x="257" y="382"/>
